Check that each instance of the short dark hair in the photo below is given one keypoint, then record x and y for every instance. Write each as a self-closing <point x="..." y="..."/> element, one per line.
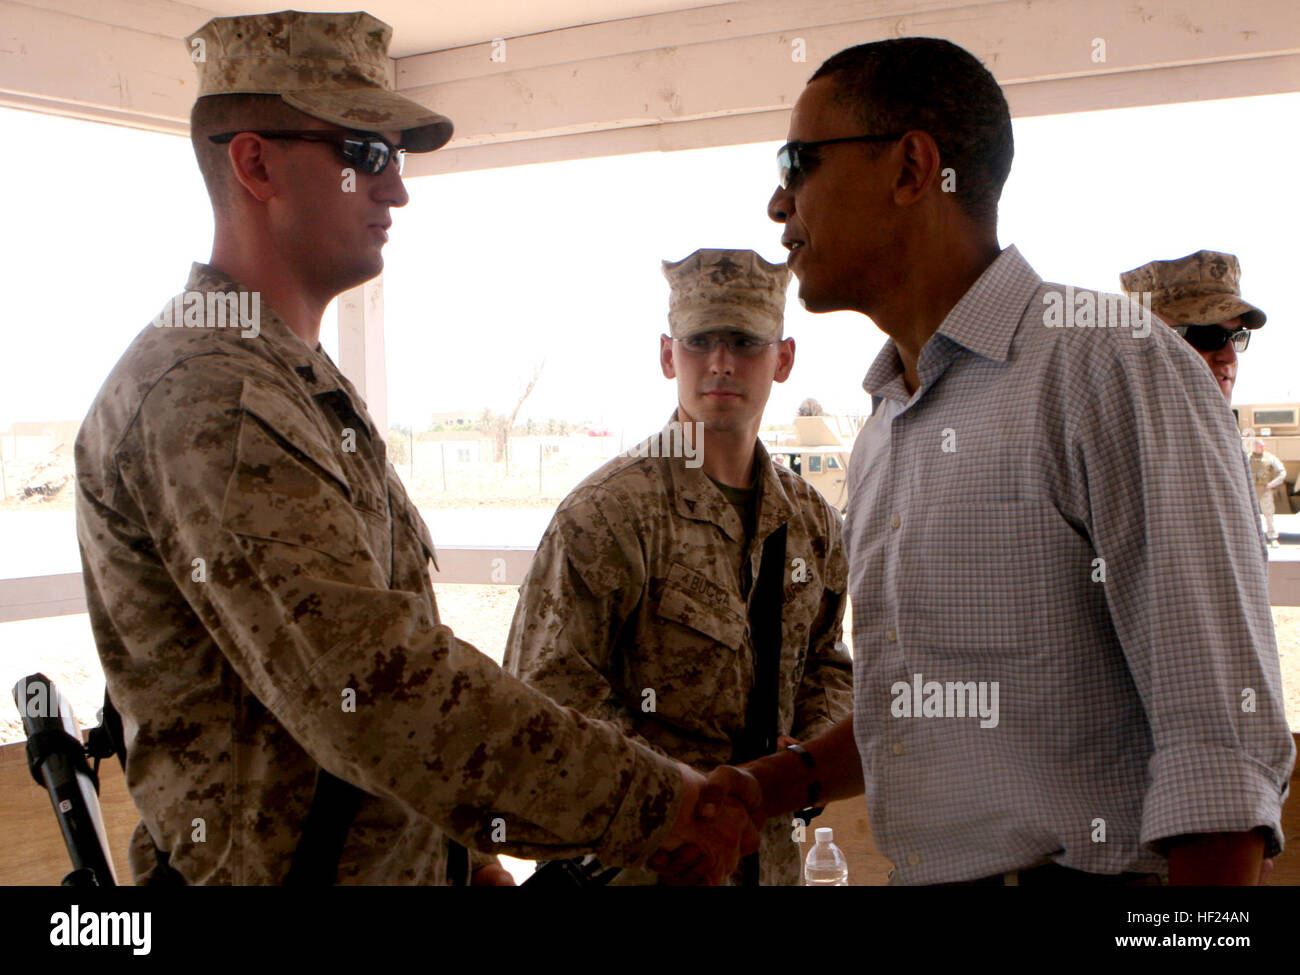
<point x="933" y="85"/>
<point x="239" y="112"/>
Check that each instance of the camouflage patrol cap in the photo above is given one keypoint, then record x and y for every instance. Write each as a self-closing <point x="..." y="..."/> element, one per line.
<point x="1199" y="289"/>
<point x="726" y="289"/>
<point x="333" y="67"/>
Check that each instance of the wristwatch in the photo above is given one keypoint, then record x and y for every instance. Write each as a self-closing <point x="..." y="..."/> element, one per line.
<point x="814" y="787"/>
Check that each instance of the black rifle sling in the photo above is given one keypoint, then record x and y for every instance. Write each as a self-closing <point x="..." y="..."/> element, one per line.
<point x="324" y="833"/>
<point x="765" y="609"/>
<point x="457" y="864"/>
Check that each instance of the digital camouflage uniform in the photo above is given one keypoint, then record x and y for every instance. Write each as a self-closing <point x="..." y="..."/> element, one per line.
<point x="1267" y="473"/>
<point x="641" y="584"/>
<point x="234" y="674"/>
<point x="1200" y="289"/>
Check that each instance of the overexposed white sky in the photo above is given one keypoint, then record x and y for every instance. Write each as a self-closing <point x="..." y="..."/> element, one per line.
<point x="489" y="272"/>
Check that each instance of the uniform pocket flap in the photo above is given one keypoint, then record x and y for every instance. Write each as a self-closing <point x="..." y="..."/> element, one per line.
<point x="284" y="487"/>
<point x="714" y="618"/>
<point x="286" y="420"/>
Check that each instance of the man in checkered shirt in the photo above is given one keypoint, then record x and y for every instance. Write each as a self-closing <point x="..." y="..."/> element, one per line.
<point x="1060" y="678"/>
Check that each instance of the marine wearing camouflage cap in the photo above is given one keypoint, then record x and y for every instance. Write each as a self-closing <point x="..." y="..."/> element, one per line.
<point x="258" y="580"/>
<point x="1200" y="289"/>
<point x="639" y="606"/>
<point x="726" y="289"/>
<point x="334" y="67"/>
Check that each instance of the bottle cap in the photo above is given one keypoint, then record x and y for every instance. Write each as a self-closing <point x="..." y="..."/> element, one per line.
<point x="825" y="834"/>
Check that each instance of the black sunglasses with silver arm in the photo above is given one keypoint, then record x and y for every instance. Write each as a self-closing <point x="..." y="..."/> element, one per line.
<point x="1211" y="338"/>
<point x="370" y="152"/>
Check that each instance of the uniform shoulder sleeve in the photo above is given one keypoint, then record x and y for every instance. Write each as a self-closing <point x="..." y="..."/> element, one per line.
<point x="600" y="539"/>
<point x="586" y="578"/>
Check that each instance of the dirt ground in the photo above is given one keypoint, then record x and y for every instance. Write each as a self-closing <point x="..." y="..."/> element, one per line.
<point x="1286" y="624"/>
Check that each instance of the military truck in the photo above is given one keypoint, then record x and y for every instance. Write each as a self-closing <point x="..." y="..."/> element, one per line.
<point x="1278" y="425"/>
<point x="820" y="453"/>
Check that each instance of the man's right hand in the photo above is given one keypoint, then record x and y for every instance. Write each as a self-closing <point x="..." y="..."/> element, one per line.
<point x="728" y="783"/>
<point x="766" y="787"/>
<point x="705" y="845"/>
<point x="729" y="798"/>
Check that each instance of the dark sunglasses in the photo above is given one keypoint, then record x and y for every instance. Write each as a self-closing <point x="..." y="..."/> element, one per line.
<point x="1211" y="338"/>
<point x="368" y="151"/>
<point x="791" y="162"/>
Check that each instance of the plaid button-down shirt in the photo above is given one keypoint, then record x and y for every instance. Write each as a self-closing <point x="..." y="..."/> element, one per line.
<point x="1055" y="657"/>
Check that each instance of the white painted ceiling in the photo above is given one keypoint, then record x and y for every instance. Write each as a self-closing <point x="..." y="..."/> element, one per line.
<point x="418" y="25"/>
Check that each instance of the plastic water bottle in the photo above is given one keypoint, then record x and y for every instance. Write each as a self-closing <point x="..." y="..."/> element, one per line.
<point x="826" y="865"/>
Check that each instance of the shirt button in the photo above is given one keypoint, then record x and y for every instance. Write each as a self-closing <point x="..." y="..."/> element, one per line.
<point x="897" y="521"/>
<point x="891" y="635"/>
<point x="911" y="414"/>
<point x="898" y="748"/>
<point x="914" y="859"/>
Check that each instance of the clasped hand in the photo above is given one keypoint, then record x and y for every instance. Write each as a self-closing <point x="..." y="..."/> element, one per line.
<point x="718" y="824"/>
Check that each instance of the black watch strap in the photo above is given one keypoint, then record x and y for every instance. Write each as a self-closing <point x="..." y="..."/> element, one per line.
<point x="814" y="787"/>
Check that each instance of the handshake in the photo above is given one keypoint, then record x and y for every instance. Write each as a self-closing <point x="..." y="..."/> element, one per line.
<point x="717" y="823"/>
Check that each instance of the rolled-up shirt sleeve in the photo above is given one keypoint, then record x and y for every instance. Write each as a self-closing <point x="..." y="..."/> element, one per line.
<point x="1161" y="489"/>
<point x="225" y="467"/>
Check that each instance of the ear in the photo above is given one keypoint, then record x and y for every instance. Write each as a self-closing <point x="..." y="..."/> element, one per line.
<point x="666" y="357"/>
<point x="248" y="160"/>
<point x="919" y="172"/>
<point x="784" y="360"/>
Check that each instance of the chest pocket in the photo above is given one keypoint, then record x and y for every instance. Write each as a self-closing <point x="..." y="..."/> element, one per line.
<point x="970" y="587"/>
<point x="289" y="486"/>
<point x="719" y="624"/>
<point x="699" y="657"/>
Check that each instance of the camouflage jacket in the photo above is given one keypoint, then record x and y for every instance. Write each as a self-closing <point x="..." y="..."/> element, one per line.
<point x="636" y="611"/>
<point x="257" y="581"/>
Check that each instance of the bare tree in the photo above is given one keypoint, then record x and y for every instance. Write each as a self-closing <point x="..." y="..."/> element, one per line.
<point x="500" y="426"/>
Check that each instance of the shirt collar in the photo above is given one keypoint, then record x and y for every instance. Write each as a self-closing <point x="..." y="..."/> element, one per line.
<point x="312" y="366"/>
<point x="984" y="320"/>
<point x="696" y="497"/>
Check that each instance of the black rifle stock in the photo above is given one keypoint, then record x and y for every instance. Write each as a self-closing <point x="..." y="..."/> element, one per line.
<point x="57" y="760"/>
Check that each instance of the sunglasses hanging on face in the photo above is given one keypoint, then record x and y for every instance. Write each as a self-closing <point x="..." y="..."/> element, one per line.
<point x="793" y="157"/>
<point x="367" y="151"/>
<point x="1211" y="338"/>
